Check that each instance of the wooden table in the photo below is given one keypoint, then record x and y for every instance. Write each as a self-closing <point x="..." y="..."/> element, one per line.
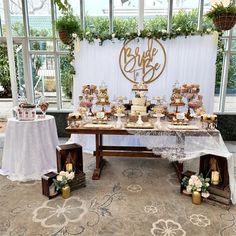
<point x="132" y="151"/>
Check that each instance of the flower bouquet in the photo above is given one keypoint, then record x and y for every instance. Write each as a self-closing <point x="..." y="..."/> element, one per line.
<point x="196" y="183"/>
<point x="63" y="178"/>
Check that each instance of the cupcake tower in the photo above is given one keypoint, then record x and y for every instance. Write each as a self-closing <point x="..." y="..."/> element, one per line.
<point x="89" y="93"/>
<point x="194" y="100"/>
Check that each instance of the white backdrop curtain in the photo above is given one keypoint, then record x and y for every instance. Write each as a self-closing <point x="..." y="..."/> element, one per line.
<point x="188" y="60"/>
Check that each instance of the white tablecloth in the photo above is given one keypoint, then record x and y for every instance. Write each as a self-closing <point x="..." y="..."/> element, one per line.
<point x="29" y="149"/>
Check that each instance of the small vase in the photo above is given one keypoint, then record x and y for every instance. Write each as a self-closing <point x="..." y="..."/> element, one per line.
<point x="66" y="191"/>
<point x="196" y="198"/>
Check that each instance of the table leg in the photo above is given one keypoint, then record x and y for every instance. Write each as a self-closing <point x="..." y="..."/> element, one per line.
<point x="99" y="158"/>
<point x="180" y="143"/>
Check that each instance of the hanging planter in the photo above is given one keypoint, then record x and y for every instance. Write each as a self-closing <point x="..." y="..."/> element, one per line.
<point x="65" y="37"/>
<point x="224" y="17"/>
<point x="224" y="21"/>
<point x="67" y="25"/>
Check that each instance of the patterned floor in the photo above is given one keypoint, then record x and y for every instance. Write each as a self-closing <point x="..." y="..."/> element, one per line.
<point x="133" y="197"/>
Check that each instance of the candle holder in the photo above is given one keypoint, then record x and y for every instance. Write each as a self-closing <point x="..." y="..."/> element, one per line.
<point x="119" y="123"/>
<point x="158" y="121"/>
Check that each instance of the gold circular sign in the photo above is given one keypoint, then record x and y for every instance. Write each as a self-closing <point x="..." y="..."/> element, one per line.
<point x="142" y="61"/>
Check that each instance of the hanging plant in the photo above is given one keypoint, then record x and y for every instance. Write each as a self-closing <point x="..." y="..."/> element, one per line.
<point x="67" y="27"/>
<point x="224" y="17"/>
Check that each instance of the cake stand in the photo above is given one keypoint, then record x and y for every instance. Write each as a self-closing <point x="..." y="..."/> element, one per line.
<point x="119" y="122"/>
<point x="158" y="122"/>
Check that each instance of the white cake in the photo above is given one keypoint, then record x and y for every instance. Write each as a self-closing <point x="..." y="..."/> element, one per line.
<point x="138" y="101"/>
<point x="138" y="109"/>
<point x="138" y="106"/>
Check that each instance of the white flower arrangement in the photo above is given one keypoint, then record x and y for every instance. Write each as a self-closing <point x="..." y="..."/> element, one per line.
<point x="63" y="178"/>
<point x="196" y="183"/>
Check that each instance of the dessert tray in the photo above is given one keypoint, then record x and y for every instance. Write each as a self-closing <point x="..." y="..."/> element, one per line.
<point x="108" y="126"/>
<point x="145" y="125"/>
<point x="183" y="127"/>
<point x="98" y="121"/>
<point x="158" y="115"/>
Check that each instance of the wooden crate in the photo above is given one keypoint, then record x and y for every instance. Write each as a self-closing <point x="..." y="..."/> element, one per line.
<point x="47" y="180"/>
<point x="76" y="153"/>
<point x="219" y="193"/>
<point x="78" y="181"/>
<point x="222" y="162"/>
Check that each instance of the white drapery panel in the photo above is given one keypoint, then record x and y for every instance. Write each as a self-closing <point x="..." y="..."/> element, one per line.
<point x="189" y="60"/>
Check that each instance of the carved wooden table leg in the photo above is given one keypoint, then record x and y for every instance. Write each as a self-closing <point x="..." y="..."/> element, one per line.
<point x="99" y="157"/>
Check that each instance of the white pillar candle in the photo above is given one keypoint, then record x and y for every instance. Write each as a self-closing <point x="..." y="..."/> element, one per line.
<point x="69" y="167"/>
<point x="215" y="177"/>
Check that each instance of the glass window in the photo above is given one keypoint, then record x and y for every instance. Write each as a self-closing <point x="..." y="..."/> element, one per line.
<point x="230" y="104"/>
<point x="5" y="81"/>
<point x="155" y="15"/>
<point x="41" y="45"/>
<point x="2" y="20"/>
<point x="44" y="78"/>
<point x="233" y="45"/>
<point x="16" y="18"/>
<point x="185" y="14"/>
<point x="18" y="50"/>
<point x="40" y="22"/>
<point x="219" y="67"/>
<point x="66" y="77"/>
<point x="125" y="16"/>
<point x="75" y="6"/>
<point x="96" y="16"/>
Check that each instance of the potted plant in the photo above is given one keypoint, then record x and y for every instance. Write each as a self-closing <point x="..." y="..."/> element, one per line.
<point x="67" y="25"/>
<point x="197" y="185"/>
<point x="61" y="182"/>
<point x="224" y="17"/>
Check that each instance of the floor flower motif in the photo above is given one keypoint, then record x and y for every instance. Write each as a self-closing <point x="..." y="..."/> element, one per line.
<point x="150" y="209"/>
<point x="199" y="220"/>
<point x="134" y="188"/>
<point x="167" y="228"/>
<point x="59" y="212"/>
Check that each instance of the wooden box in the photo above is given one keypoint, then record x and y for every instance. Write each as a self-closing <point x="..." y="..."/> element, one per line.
<point x="47" y="180"/>
<point x="221" y="192"/>
<point x="223" y="168"/>
<point x="74" y="153"/>
<point x="78" y="181"/>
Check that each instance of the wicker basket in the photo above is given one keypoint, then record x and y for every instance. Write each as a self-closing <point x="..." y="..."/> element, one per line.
<point x="225" y="22"/>
<point x="65" y="37"/>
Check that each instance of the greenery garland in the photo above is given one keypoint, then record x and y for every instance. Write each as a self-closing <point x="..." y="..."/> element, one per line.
<point x="92" y="36"/>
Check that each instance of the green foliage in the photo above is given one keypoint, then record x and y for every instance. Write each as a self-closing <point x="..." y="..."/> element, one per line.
<point x="4" y="72"/>
<point x="97" y="24"/>
<point x="63" y="5"/>
<point x="156" y="24"/>
<point x="69" y="23"/>
<point x="220" y="9"/>
<point x="186" y="21"/>
<point x="232" y="73"/>
<point x="219" y="62"/>
<point x="67" y="72"/>
<point x="60" y="184"/>
<point x="124" y="26"/>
